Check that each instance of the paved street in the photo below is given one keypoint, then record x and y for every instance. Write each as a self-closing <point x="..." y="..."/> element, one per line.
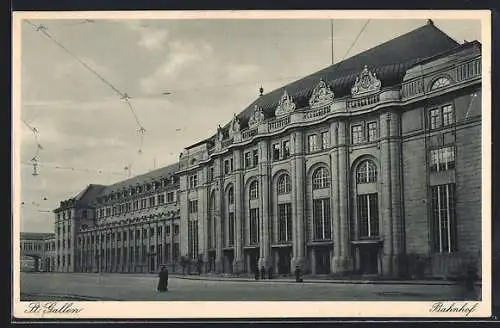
<point x="132" y="287"/>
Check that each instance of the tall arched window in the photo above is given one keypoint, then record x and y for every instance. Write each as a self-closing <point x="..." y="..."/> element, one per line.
<point x="229" y="225"/>
<point x="230" y="196"/>
<point x="321" y="178"/>
<point x="254" y="190"/>
<point x="211" y="221"/>
<point x="367" y="200"/>
<point x="366" y="172"/>
<point x="284" y="186"/>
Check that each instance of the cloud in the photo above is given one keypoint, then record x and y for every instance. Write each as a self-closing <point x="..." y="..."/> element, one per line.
<point x="242" y="72"/>
<point x="153" y="40"/>
<point x="149" y="38"/>
<point x="181" y="56"/>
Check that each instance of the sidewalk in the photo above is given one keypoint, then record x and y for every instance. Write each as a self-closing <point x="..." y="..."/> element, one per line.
<point x="317" y="279"/>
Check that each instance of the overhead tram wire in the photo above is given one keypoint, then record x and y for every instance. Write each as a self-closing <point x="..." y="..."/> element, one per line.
<point x="122" y="95"/>
<point x="35" y="159"/>
<point x="355" y="40"/>
<point x="78" y="169"/>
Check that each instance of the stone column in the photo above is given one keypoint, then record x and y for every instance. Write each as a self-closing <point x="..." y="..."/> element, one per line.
<point x="345" y="262"/>
<point x="202" y="220"/>
<point x="81" y="255"/>
<point x="239" y="194"/>
<point x="398" y="240"/>
<point x="264" y="204"/>
<point x="164" y="241"/>
<point x="141" y="245"/>
<point x="219" y="199"/>
<point x="298" y="199"/>
<point x="123" y="255"/>
<point x="385" y="197"/>
<point x="336" y="230"/>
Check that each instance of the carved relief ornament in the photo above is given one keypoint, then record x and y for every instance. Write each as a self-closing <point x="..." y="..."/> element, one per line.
<point x="366" y="82"/>
<point x="321" y="96"/>
<point x="235" y="126"/>
<point x="257" y="117"/>
<point x="285" y="105"/>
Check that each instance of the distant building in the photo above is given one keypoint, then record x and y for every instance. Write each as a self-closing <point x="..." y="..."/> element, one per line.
<point x="369" y="166"/>
<point x="37" y="251"/>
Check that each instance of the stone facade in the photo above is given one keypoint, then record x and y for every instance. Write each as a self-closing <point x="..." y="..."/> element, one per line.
<point x="40" y="249"/>
<point x="384" y="179"/>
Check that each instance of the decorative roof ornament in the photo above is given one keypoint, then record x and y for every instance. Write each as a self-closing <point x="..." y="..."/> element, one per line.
<point x="366" y="82"/>
<point x="285" y="105"/>
<point x="257" y="117"/>
<point x="235" y="126"/>
<point x="321" y="96"/>
<point x="220" y="134"/>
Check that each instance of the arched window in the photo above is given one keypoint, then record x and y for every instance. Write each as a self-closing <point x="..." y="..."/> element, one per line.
<point x="230" y="196"/>
<point x="284" y="186"/>
<point x="254" y="190"/>
<point x="440" y="83"/>
<point x="321" y="178"/>
<point x="366" y="172"/>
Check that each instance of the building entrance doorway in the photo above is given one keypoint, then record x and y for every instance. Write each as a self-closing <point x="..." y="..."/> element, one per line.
<point x="322" y="258"/>
<point x="284" y="255"/>
<point x="368" y="259"/>
<point x="251" y="259"/>
<point x="211" y="261"/>
<point x="227" y="260"/>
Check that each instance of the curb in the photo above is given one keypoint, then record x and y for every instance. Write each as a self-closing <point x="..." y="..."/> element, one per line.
<point x="318" y="281"/>
<point x="66" y="296"/>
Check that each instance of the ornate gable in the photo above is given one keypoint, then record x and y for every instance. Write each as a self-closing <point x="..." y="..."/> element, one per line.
<point x="321" y="96"/>
<point x="285" y="105"/>
<point x="257" y="117"/>
<point x="234" y="126"/>
<point x="366" y="83"/>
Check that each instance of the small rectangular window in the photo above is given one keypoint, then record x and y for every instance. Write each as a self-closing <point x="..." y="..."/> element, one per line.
<point x="435" y="118"/>
<point x="255" y="157"/>
<point x="276" y="151"/>
<point x="325" y="140"/>
<point x="372" y="131"/>
<point x="248" y="160"/>
<point x="312" y="142"/>
<point x="357" y="134"/>
<point x="286" y="149"/>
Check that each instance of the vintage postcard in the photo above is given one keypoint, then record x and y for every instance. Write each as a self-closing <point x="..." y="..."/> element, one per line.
<point x="254" y="164"/>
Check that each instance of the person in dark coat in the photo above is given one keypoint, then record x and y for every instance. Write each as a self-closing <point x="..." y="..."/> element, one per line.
<point x="256" y="272"/>
<point x="262" y="273"/>
<point x="163" y="281"/>
<point x="298" y="274"/>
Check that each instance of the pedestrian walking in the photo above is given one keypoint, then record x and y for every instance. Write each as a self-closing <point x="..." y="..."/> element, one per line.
<point x="262" y="273"/>
<point x="163" y="281"/>
<point x="298" y="274"/>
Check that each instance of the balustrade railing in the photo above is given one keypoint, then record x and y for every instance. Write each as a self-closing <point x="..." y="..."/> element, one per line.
<point x="279" y="123"/>
<point x="247" y="134"/>
<point x="315" y="113"/>
<point x="469" y="70"/>
<point x="412" y="88"/>
<point x="361" y="102"/>
<point x="227" y="142"/>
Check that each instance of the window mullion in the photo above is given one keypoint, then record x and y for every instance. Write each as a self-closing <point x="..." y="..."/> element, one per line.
<point x="448" y="215"/>
<point x="439" y="219"/>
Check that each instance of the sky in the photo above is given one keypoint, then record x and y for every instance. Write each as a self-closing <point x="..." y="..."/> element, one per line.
<point x="211" y="68"/>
